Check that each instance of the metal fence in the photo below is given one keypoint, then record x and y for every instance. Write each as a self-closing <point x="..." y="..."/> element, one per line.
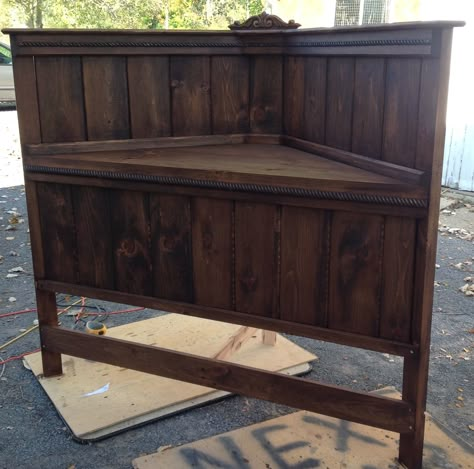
<point x="350" y="12"/>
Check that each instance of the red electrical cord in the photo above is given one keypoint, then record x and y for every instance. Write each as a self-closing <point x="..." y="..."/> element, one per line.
<point x="15" y="313"/>
<point x="17" y="357"/>
<point x="115" y="312"/>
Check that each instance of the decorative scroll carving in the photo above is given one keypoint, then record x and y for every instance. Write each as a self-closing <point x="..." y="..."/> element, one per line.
<point x="233" y="186"/>
<point x="264" y="21"/>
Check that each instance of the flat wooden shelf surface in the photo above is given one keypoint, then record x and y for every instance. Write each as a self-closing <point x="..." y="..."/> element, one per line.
<point x="267" y="164"/>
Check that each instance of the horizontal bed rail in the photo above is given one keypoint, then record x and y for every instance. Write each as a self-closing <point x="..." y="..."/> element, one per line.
<point x="335" y="401"/>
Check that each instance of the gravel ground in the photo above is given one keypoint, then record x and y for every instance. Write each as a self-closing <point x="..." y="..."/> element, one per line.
<point x="33" y="436"/>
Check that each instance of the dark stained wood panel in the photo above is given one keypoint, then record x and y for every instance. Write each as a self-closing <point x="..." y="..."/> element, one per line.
<point x="106" y="97"/>
<point x="255" y="262"/>
<point x="61" y="100"/>
<point x="212" y="252"/>
<point x="58" y="231"/>
<point x="304" y="265"/>
<point x="294" y="96"/>
<point x="94" y="237"/>
<point x="305" y="97"/>
<point x="401" y="111"/>
<point x="398" y="268"/>
<point x="230" y="94"/>
<point x="27" y="99"/>
<point x="131" y="241"/>
<point x="367" y="120"/>
<point x="340" y="91"/>
<point x="172" y="255"/>
<point x="190" y="95"/>
<point x="427" y="113"/>
<point x="315" y="72"/>
<point x="266" y="98"/>
<point x="355" y="272"/>
<point x="149" y="93"/>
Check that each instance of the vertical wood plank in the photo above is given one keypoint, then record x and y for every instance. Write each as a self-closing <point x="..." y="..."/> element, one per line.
<point x="61" y="100"/>
<point x="294" y="96"/>
<point x="131" y="241"/>
<point x="255" y="263"/>
<point x="315" y="99"/>
<point x="355" y="273"/>
<point x="148" y="89"/>
<point x="429" y="88"/>
<point x="190" y="98"/>
<point x="401" y="111"/>
<point x="94" y="237"/>
<point x="212" y="252"/>
<point x="397" y="296"/>
<point x="58" y="231"/>
<point x="305" y="97"/>
<point x="26" y="99"/>
<point x="340" y="91"/>
<point x="367" y="121"/>
<point x="266" y="98"/>
<point x="172" y="254"/>
<point x="230" y="94"/>
<point x="304" y="266"/>
<point x="106" y="97"/>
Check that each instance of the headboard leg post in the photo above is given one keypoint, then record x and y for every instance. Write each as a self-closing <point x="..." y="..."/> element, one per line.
<point x="48" y="316"/>
<point x="414" y="390"/>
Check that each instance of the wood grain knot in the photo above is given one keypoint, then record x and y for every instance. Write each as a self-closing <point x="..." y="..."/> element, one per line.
<point x="248" y="282"/>
<point x="207" y="240"/>
<point x="169" y="243"/>
<point x="177" y="84"/>
<point x="205" y="87"/>
<point x="128" y="248"/>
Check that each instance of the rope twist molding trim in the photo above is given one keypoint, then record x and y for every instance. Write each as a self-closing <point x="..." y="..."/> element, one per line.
<point x="233" y="186"/>
<point x="146" y="44"/>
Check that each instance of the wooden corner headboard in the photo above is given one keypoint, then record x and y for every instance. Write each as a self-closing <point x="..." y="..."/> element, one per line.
<point x="277" y="178"/>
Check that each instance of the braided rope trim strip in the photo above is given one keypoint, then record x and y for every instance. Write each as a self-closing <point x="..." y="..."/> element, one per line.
<point x="239" y="187"/>
<point x="362" y="43"/>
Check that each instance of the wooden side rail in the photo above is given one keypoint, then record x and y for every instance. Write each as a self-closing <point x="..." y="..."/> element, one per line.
<point x="382" y="412"/>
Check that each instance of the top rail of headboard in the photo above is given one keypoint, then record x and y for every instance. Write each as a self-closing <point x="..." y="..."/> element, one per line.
<point x="419" y="39"/>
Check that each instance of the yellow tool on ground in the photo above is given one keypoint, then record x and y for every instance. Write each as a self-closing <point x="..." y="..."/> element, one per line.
<point x="96" y="328"/>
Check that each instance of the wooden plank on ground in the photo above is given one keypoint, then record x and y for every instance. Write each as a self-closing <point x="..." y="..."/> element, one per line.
<point x="307" y="440"/>
<point x="154" y="396"/>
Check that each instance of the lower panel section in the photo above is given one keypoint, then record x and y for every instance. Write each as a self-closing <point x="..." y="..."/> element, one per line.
<point x="328" y="268"/>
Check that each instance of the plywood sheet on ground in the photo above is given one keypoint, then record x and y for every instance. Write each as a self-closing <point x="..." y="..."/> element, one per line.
<point x="307" y="440"/>
<point x="126" y="398"/>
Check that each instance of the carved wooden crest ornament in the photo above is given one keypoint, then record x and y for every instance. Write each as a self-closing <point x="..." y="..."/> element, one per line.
<point x="264" y="21"/>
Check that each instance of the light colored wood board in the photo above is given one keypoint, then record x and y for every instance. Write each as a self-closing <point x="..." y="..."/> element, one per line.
<point x="134" y="395"/>
<point x="304" y="439"/>
<point x="175" y="409"/>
